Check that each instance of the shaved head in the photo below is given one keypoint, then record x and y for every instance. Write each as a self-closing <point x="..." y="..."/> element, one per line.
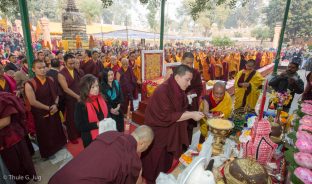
<point x="218" y="90"/>
<point x="144" y="136"/>
<point x="144" y="132"/>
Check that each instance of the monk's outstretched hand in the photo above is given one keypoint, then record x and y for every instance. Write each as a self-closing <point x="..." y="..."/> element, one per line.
<point x="196" y="115"/>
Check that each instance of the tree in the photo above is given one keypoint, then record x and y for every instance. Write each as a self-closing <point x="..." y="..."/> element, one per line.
<point x="152" y="7"/>
<point x="221" y="41"/>
<point x="205" y="21"/>
<point x="9" y="9"/>
<point x="261" y="33"/>
<point x="242" y="16"/>
<point x="198" y="6"/>
<point x="299" y="21"/>
<point x="91" y="10"/>
<point x="112" y="14"/>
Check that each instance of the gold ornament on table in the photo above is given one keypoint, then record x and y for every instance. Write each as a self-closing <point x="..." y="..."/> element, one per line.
<point x="246" y="171"/>
<point x="220" y="128"/>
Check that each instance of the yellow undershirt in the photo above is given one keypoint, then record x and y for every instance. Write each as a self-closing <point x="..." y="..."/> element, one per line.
<point x="2" y="83"/>
<point x="42" y="81"/>
<point x="71" y="72"/>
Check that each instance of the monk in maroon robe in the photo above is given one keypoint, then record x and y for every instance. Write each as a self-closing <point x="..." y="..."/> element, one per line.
<point x="128" y="83"/>
<point x="196" y="87"/>
<point x="69" y="79"/>
<point x="13" y="146"/>
<point x="92" y="65"/>
<point x="166" y="113"/>
<point x="42" y="94"/>
<point x="113" y="157"/>
<point x="7" y="83"/>
<point x="258" y="60"/>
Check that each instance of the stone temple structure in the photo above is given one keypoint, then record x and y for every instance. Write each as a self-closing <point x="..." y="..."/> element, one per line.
<point x="73" y="23"/>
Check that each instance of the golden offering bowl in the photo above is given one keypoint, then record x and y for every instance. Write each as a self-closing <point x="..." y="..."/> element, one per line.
<point x="220" y="128"/>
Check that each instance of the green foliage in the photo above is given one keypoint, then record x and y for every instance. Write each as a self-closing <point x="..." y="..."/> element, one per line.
<point x="310" y="47"/>
<point x="238" y="34"/>
<point x="299" y="19"/>
<point x="9" y="9"/>
<point x="91" y="9"/>
<point x="51" y="9"/>
<point x="242" y="16"/>
<point x="152" y="7"/>
<point x="198" y="6"/>
<point x="292" y="135"/>
<point x="261" y="33"/>
<point x="221" y="41"/>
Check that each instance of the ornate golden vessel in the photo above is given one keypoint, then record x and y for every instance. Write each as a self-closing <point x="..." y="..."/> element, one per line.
<point x="220" y="128"/>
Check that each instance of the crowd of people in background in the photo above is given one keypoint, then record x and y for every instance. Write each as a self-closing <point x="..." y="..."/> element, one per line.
<point x="64" y="95"/>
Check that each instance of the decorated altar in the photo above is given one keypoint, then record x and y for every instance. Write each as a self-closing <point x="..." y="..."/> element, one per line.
<point x="264" y="147"/>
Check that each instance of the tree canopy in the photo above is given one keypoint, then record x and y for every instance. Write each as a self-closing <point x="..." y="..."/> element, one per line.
<point x="299" y="21"/>
<point x="221" y="41"/>
<point x="261" y="33"/>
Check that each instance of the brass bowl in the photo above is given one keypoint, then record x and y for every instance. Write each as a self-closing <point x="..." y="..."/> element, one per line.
<point x="220" y="134"/>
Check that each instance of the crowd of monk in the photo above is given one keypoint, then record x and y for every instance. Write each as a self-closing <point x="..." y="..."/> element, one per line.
<point x="66" y="89"/>
<point x="221" y="64"/>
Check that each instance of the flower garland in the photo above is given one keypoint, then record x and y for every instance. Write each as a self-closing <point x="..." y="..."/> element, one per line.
<point x="145" y="85"/>
<point x="281" y="99"/>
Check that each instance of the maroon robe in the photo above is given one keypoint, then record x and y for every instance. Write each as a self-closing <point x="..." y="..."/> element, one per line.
<point x="128" y="85"/>
<point x="70" y="103"/>
<point x="110" y="158"/>
<point x="115" y="69"/>
<point x="92" y="67"/>
<point x="49" y="130"/>
<point x="258" y="60"/>
<point x="164" y="109"/>
<point x="13" y="146"/>
<point x="195" y="87"/>
<point x="10" y="84"/>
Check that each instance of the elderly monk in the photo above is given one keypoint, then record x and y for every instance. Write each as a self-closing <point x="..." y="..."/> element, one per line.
<point x="248" y="83"/>
<point x="128" y="83"/>
<point x="167" y="114"/>
<point x="113" y="157"/>
<point x="217" y="103"/>
<point x="114" y="65"/>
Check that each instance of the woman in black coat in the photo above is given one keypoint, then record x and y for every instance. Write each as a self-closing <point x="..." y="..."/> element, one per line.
<point x="110" y="88"/>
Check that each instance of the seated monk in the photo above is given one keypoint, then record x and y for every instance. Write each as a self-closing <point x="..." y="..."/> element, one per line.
<point x="218" y="102"/>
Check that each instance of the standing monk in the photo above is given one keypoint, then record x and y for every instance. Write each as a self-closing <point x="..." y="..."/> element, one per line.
<point x="42" y="94"/>
<point x="69" y="78"/>
<point x="7" y="83"/>
<point x="216" y="67"/>
<point x="248" y="83"/>
<point x="91" y="64"/>
<point x="13" y="146"/>
<point x="128" y="83"/>
<point x="196" y="87"/>
<point x="166" y="113"/>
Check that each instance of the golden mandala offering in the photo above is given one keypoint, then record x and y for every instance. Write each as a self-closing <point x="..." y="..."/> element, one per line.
<point x="221" y="124"/>
<point x="246" y="171"/>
